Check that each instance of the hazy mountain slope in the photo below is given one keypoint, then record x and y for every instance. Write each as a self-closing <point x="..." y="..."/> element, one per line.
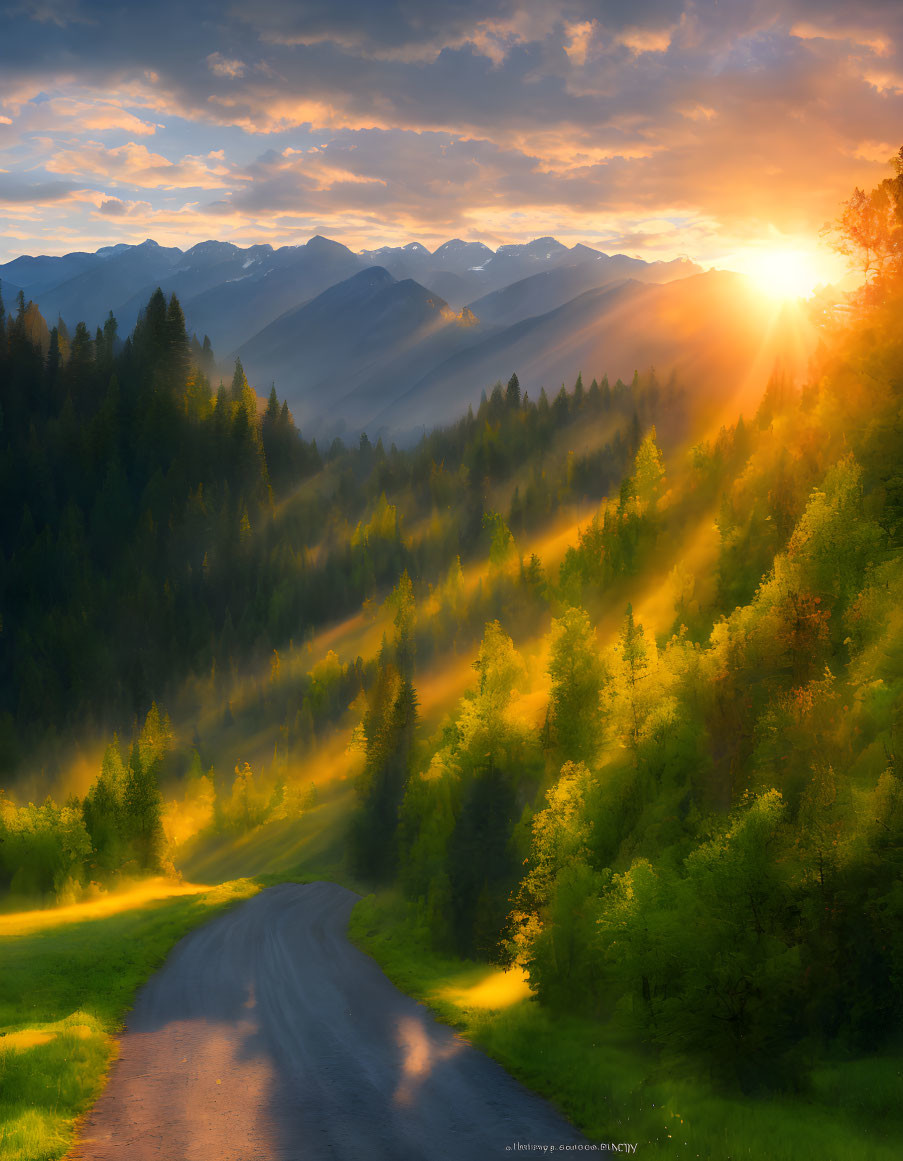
<point x="234" y="311"/>
<point x="203" y="267"/>
<point x="35" y="273"/>
<point x="452" y="270"/>
<point x="408" y="261"/>
<point x="230" y="293"/>
<point x="350" y="335"/>
<point x="381" y="383"/>
<point x="458" y="256"/>
<point x="464" y="271"/>
<point x="89" y="296"/>
<point x="456" y="289"/>
<point x="8" y="292"/>
<point x="717" y="334"/>
<point x="548" y="289"/>
<point x="226" y="291"/>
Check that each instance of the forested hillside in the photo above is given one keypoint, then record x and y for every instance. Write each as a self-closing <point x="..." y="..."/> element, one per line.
<point x="137" y="495"/>
<point x="703" y="836"/>
<point x="662" y="776"/>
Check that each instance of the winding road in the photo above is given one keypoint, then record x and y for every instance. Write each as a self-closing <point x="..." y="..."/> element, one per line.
<point x="267" y="1036"/>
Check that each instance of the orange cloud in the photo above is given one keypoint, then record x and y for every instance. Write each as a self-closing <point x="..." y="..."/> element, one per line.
<point x="134" y="164"/>
<point x="320" y="174"/>
<point x="878" y="43"/>
<point x="698" y="113"/>
<point x="276" y="114"/>
<point x="884" y="82"/>
<point x="98" y="115"/>
<point x="877" y="151"/>
<point x="224" y="67"/>
<point x="640" y="40"/>
<point x="579" y="37"/>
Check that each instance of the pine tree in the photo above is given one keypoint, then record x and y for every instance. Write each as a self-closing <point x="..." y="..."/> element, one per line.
<point x="271" y="414"/>
<point x="634" y="670"/>
<point x="152" y="334"/>
<point x="239" y="382"/>
<point x="52" y="368"/>
<point x="575" y="668"/>
<point x="561" y="407"/>
<point x="80" y="367"/>
<point x="103" y="810"/>
<point x="110" y="337"/>
<point x="178" y="355"/>
<point x="143" y="812"/>
<point x="402" y="600"/>
<point x="648" y="478"/>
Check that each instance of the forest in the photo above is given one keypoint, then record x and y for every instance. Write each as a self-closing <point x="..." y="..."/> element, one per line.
<point x="668" y="788"/>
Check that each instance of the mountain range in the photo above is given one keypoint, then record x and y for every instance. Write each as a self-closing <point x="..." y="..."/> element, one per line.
<point x="399" y="338"/>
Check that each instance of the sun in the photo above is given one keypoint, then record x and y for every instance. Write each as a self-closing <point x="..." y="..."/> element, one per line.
<point x="783" y="274"/>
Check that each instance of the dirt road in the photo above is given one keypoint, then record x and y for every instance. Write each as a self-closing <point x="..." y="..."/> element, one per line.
<point x="267" y="1036"/>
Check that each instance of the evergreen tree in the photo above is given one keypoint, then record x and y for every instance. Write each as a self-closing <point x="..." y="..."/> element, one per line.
<point x="575" y="668"/>
<point x="142" y="808"/>
<point x="178" y="353"/>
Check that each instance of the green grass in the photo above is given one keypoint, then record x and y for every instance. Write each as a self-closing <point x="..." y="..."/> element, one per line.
<point x="75" y="982"/>
<point x="614" y="1093"/>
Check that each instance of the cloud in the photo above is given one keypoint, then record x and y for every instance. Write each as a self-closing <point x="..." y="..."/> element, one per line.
<point x="640" y="40"/>
<point x="498" y="117"/>
<point x="578" y="40"/>
<point x="95" y="116"/>
<point x="16" y="192"/>
<point x="877" y="42"/>
<point x="876" y="151"/>
<point x="135" y="165"/>
<point x="116" y="208"/>
<point x="223" y="67"/>
<point x="62" y="13"/>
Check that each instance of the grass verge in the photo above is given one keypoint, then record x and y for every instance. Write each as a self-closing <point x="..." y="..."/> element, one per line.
<point x="65" y="987"/>
<point x="615" y="1093"/>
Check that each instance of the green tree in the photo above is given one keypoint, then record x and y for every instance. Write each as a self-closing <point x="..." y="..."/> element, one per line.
<point x="648" y="476"/>
<point x="553" y="929"/>
<point x="502" y="550"/>
<point x="575" y="668"/>
<point x="103" y="811"/>
<point x="629" y="690"/>
<point x="142" y="806"/>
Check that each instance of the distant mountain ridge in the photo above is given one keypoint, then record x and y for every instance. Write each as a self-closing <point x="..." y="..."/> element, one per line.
<point x="231" y="292"/>
<point x="381" y="339"/>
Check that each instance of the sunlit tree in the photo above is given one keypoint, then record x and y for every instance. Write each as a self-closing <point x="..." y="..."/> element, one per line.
<point x="575" y="668"/>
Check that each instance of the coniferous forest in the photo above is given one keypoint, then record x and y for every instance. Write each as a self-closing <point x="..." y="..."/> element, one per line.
<point x="615" y="681"/>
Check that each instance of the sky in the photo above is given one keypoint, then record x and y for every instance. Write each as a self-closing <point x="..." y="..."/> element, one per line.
<point x="707" y="128"/>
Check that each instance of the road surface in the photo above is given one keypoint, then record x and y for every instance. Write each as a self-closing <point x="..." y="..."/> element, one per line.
<point x="267" y="1036"/>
